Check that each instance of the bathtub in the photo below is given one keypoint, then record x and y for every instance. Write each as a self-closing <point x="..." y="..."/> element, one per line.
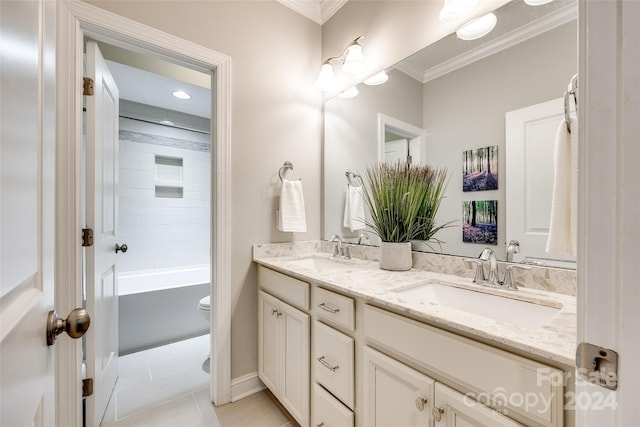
<point x="159" y="306"/>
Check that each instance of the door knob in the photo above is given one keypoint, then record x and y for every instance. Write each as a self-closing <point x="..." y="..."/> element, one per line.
<point x="436" y="413"/>
<point x="75" y="325"/>
<point x="122" y="248"/>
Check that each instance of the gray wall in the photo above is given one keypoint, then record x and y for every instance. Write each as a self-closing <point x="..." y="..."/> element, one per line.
<point x="276" y="116"/>
<point x="466" y="109"/>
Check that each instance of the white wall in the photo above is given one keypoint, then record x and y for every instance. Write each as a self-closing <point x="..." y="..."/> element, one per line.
<point x="466" y="109"/>
<point x="276" y="116"/>
<point x="163" y="232"/>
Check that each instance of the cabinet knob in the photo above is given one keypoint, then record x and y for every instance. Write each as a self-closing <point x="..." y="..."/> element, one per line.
<point x="276" y="312"/>
<point x="420" y="402"/>
<point x="436" y="413"/>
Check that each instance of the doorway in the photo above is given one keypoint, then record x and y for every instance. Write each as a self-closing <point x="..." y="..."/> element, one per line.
<point x="154" y="317"/>
<point x="87" y="21"/>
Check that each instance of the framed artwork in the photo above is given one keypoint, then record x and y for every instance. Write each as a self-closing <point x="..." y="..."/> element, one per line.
<point x="480" y="221"/>
<point x="480" y="169"/>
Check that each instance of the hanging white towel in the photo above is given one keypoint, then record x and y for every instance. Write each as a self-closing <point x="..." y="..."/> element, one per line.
<point x="291" y="216"/>
<point x="562" y="239"/>
<point x="354" y="209"/>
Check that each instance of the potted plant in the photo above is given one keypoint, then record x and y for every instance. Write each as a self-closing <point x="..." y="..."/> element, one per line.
<point x="403" y="201"/>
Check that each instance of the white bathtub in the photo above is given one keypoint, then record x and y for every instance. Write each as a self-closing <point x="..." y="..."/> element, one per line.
<point x="157" y="307"/>
<point x="134" y="282"/>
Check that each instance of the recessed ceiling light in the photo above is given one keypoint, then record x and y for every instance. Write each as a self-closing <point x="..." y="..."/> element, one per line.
<point x="478" y="27"/>
<point x="377" y="79"/>
<point x="181" y="94"/>
<point x="455" y="10"/>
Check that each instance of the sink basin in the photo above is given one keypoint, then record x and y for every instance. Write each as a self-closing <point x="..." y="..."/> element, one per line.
<point x="507" y="310"/>
<point x="320" y="264"/>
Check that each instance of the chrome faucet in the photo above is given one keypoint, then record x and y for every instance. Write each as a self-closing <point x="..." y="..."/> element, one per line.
<point x="363" y="237"/>
<point x="512" y="248"/>
<point x="487" y="254"/>
<point x="340" y="251"/>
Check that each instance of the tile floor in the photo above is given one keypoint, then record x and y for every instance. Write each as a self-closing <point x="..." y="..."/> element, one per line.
<point x="166" y="387"/>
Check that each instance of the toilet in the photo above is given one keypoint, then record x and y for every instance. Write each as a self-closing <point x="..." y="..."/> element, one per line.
<point x="204" y="307"/>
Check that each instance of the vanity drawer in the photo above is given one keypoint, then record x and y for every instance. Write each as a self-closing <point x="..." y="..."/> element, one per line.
<point x="494" y="372"/>
<point x="288" y="289"/>
<point x="333" y="362"/>
<point x="335" y="308"/>
<point x="327" y="411"/>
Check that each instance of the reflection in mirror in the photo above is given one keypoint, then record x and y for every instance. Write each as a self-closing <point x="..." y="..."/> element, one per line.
<point x="455" y="96"/>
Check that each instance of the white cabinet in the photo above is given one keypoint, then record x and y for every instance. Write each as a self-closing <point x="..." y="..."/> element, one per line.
<point x="283" y="354"/>
<point x="394" y="394"/>
<point x="457" y="410"/>
<point x="327" y="411"/>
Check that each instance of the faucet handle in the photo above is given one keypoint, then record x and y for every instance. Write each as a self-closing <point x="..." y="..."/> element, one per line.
<point x="346" y="252"/>
<point x="479" y="274"/>
<point x="508" y="276"/>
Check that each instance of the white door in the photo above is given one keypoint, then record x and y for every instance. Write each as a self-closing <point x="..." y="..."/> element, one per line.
<point x="102" y="218"/>
<point x="395" y="151"/>
<point x="27" y="144"/>
<point x="295" y="362"/>
<point x="530" y="138"/>
<point x="393" y="393"/>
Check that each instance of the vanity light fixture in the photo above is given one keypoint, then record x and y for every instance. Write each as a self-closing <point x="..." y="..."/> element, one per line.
<point x="352" y="62"/>
<point x="537" y="2"/>
<point x="478" y="27"/>
<point x="456" y="10"/>
<point x="180" y="94"/>
<point x="377" y="79"/>
<point x="349" y="93"/>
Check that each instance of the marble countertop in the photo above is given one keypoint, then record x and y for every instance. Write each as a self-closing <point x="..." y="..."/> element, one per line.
<point x="554" y="341"/>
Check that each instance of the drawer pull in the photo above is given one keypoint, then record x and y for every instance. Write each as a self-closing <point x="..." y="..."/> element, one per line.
<point x="436" y="413"/>
<point x="329" y="309"/>
<point x="420" y="402"/>
<point x="327" y="365"/>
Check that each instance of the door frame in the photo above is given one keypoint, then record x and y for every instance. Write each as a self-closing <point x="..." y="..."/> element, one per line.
<point x="75" y="21"/>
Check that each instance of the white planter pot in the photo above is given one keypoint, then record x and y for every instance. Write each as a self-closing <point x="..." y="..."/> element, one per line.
<point x="395" y="256"/>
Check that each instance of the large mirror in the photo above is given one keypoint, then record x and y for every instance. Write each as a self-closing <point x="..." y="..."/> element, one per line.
<point x="491" y="103"/>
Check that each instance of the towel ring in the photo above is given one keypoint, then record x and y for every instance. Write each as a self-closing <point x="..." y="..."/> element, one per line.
<point x="572" y="87"/>
<point x="351" y="176"/>
<point x="283" y="170"/>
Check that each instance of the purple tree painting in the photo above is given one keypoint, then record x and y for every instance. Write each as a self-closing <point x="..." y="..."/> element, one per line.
<point x="480" y="169"/>
<point x="480" y="221"/>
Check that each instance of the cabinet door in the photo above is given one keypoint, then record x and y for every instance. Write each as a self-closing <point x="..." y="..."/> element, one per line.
<point x="295" y="356"/>
<point x="394" y="394"/>
<point x="269" y="353"/>
<point x="457" y="410"/>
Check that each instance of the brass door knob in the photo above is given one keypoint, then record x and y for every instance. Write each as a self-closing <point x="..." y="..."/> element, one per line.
<point x="75" y="325"/>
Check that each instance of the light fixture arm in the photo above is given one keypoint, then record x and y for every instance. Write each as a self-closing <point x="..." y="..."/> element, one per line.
<point x="342" y="57"/>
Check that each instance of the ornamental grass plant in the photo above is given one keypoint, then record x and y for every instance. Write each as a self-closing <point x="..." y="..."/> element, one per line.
<point x="403" y="201"/>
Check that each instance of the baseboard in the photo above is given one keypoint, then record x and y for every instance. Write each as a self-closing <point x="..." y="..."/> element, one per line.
<point x="245" y="385"/>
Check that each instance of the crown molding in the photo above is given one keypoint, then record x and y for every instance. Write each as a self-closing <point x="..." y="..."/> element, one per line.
<point x="512" y="38"/>
<point x="319" y="11"/>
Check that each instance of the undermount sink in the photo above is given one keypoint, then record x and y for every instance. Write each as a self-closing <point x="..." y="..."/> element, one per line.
<point x="321" y="264"/>
<point x="507" y="310"/>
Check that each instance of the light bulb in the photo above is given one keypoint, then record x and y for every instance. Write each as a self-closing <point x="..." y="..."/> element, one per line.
<point x="326" y="80"/>
<point x="354" y="61"/>
<point x="455" y="10"/>
<point x="478" y="27"/>
<point x="377" y="79"/>
<point x="537" y="2"/>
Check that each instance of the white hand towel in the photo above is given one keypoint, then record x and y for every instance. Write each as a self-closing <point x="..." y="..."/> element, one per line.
<point x="291" y="216"/>
<point x="562" y="239"/>
<point x="354" y="209"/>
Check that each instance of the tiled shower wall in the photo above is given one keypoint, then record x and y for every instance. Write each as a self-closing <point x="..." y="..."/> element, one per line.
<point x="163" y="232"/>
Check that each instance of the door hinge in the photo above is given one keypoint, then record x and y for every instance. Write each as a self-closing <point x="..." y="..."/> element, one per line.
<point x="87" y="387"/>
<point x="87" y="237"/>
<point x="87" y="86"/>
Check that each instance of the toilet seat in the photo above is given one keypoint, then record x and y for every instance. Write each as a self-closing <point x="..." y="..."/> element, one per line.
<point x="205" y="303"/>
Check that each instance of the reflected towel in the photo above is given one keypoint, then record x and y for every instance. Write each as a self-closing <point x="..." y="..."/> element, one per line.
<point x="354" y="209"/>
<point x="291" y="216"/>
<point x="562" y="239"/>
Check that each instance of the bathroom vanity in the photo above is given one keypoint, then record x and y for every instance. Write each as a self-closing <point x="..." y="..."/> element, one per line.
<point x="344" y="343"/>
